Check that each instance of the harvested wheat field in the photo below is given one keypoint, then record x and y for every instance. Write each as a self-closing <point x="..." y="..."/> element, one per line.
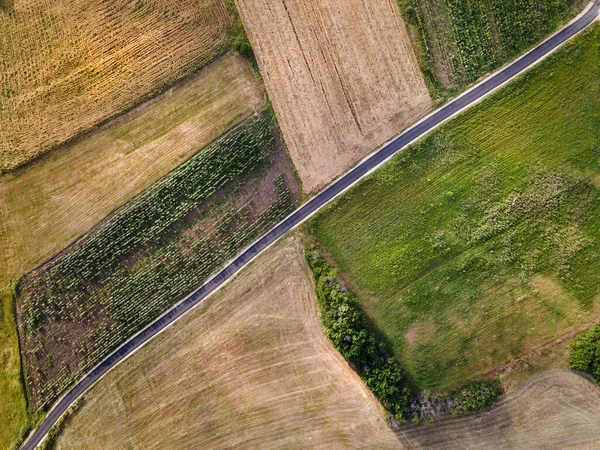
<point x="342" y="76"/>
<point x="557" y="409"/>
<point x="50" y="203"/>
<point x="66" y="65"/>
<point x="250" y="368"/>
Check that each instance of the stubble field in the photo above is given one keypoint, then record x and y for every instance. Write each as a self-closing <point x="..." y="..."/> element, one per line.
<point x="251" y="367"/>
<point x="342" y="77"/>
<point x="554" y="410"/>
<point x="67" y="65"/>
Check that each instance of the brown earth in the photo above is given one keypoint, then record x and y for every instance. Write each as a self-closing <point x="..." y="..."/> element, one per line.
<point x="66" y="65"/>
<point x="47" y="205"/>
<point x="249" y="368"/>
<point x="557" y="409"/>
<point x="342" y="76"/>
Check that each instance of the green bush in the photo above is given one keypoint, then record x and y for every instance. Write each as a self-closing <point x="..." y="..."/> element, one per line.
<point x="475" y="396"/>
<point x="585" y="354"/>
<point x="346" y="326"/>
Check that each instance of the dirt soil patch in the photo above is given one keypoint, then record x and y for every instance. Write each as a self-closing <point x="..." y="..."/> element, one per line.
<point x="67" y="65"/>
<point x="47" y="205"/>
<point x="556" y="409"/>
<point x="342" y="76"/>
<point x="250" y="368"/>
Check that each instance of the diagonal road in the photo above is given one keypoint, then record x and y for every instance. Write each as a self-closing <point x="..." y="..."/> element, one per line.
<point x="366" y="166"/>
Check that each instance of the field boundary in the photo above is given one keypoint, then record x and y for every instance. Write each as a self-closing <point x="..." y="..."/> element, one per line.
<point x="369" y="164"/>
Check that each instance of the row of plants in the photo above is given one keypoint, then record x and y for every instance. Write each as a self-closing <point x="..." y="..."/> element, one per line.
<point x="487" y="33"/>
<point x="160" y="246"/>
<point x="346" y="326"/>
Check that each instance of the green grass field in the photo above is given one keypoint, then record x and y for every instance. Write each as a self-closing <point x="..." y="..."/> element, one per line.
<point x="483" y="240"/>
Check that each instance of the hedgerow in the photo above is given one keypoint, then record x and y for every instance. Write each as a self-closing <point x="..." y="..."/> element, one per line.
<point x="585" y="354"/>
<point x="346" y="327"/>
<point x="146" y="256"/>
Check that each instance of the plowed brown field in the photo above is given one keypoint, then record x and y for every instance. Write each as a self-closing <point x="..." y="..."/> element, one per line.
<point x="554" y="410"/>
<point x="342" y="76"/>
<point x="250" y="368"/>
<point x="66" y="65"/>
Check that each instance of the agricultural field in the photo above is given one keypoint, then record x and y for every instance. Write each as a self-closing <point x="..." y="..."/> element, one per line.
<point x="83" y="303"/>
<point x="52" y="202"/>
<point x="342" y="76"/>
<point x="67" y="65"/>
<point x="480" y="242"/>
<point x="250" y="367"/>
<point x="553" y="410"/>
<point x="458" y="41"/>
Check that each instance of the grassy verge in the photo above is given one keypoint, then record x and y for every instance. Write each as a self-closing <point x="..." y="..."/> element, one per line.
<point x="13" y="413"/>
<point x="82" y="304"/>
<point x="481" y="241"/>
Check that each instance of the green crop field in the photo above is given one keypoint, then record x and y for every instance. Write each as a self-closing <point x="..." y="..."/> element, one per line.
<point x="79" y="306"/>
<point x="482" y="241"/>
<point x="460" y="40"/>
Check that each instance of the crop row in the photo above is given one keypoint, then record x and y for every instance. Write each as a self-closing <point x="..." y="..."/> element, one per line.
<point x="487" y="32"/>
<point x="152" y="252"/>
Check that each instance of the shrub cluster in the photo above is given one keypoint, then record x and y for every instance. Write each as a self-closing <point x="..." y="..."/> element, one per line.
<point x="346" y="326"/>
<point x="471" y="397"/>
<point x="585" y="354"/>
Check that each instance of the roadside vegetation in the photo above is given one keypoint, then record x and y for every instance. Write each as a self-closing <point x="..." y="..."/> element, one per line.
<point x="83" y="303"/>
<point x="481" y="242"/>
<point x="458" y="41"/>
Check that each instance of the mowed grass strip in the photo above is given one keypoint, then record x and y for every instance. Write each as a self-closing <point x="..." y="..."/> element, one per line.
<point x="49" y="204"/>
<point x="67" y="65"/>
<point x="249" y="368"/>
<point x="482" y="241"/>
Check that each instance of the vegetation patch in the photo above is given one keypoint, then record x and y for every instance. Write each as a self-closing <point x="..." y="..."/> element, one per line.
<point x="585" y="354"/>
<point x="79" y="306"/>
<point x="481" y="241"/>
<point x="346" y="327"/>
<point x="461" y="40"/>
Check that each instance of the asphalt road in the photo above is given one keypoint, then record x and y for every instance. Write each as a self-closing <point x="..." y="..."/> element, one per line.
<point x="302" y="213"/>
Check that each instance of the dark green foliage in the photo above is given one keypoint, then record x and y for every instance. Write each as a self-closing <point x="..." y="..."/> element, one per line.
<point x="150" y="253"/>
<point x="585" y="354"/>
<point x="475" y="396"/>
<point x="242" y="45"/>
<point x="346" y="326"/>
<point x="473" y="35"/>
